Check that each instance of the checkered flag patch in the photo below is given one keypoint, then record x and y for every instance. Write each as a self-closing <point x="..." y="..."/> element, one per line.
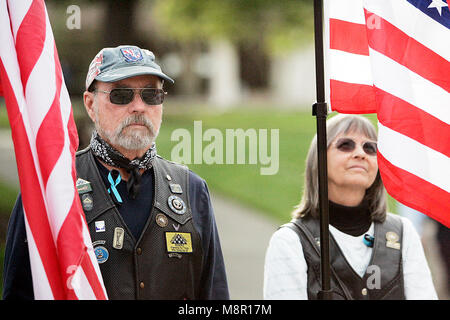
<point x="178" y="239"/>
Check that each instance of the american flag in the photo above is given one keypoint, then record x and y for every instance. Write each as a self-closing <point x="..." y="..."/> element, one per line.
<point x="63" y="263"/>
<point x="392" y="58"/>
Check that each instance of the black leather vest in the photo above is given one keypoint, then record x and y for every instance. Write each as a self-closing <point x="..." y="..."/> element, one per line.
<point x="166" y="261"/>
<point x="384" y="276"/>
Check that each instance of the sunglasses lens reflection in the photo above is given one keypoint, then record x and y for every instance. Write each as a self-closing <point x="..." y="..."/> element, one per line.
<point x="152" y="96"/>
<point x="370" y="148"/>
<point x="348" y="145"/>
<point x="123" y="96"/>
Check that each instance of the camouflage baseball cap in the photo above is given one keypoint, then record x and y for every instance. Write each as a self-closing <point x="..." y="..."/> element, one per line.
<point x="114" y="64"/>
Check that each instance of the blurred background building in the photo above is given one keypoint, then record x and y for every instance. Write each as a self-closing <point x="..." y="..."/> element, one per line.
<point x="225" y="52"/>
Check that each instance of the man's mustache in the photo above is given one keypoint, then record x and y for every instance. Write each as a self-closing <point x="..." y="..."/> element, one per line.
<point x="136" y="119"/>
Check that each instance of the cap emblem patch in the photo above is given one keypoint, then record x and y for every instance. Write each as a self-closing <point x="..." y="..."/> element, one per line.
<point x="131" y="54"/>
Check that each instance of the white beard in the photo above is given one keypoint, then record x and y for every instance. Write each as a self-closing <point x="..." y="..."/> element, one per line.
<point x="129" y="139"/>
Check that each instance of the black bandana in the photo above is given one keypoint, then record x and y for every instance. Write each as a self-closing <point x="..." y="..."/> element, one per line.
<point x="114" y="158"/>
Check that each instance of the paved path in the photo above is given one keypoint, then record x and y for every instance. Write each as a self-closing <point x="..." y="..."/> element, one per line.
<point x="244" y="235"/>
<point x="8" y="167"/>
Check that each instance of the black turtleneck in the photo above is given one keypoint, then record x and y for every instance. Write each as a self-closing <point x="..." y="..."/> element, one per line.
<point x="354" y="221"/>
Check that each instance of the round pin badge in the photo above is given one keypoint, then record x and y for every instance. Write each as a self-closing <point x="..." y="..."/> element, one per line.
<point x="161" y="220"/>
<point x="101" y="253"/>
<point x="176" y="204"/>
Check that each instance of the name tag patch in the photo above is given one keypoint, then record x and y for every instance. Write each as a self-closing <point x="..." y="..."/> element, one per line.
<point x="180" y="242"/>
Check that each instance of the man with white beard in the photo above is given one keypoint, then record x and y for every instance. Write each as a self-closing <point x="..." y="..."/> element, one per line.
<point x="151" y="220"/>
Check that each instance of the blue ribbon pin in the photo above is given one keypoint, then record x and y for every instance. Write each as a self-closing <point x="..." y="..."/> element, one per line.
<point x="114" y="184"/>
<point x="368" y="240"/>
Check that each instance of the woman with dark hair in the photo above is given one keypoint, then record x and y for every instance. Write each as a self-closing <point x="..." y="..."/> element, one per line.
<point x="373" y="254"/>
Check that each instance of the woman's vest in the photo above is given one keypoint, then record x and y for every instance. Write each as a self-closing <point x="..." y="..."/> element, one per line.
<point x="384" y="275"/>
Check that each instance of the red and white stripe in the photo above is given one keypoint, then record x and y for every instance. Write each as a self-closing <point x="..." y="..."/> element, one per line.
<point x="45" y="138"/>
<point x="389" y="58"/>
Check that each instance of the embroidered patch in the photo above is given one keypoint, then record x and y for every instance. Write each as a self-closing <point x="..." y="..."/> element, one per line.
<point x="131" y="54"/>
<point x="83" y="186"/>
<point x="180" y="242"/>
<point x="94" y="68"/>
<point x="87" y="201"/>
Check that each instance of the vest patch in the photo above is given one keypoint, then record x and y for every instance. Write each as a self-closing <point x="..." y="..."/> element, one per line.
<point x="83" y="186"/>
<point x="100" y="226"/>
<point x="178" y="242"/>
<point x="87" y="201"/>
<point x="101" y="253"/>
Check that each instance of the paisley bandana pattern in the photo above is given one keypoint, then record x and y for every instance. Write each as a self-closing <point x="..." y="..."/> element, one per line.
<point x="105" y="152"/>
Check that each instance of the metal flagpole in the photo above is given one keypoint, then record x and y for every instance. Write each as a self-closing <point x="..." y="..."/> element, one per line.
<point x="320" y="111"/>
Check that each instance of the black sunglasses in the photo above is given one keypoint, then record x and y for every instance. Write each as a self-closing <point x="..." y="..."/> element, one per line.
<point x="348" y="145"/>
<point x="123" y="96"/>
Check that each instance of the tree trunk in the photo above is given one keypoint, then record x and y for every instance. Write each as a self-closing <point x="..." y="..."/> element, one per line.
<point x="188" y="82"/>
<point x="119" y="23"/>
<point x="225" y="82"/>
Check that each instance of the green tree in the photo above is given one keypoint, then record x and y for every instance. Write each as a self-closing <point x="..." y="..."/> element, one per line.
<point x="280" y="25"/>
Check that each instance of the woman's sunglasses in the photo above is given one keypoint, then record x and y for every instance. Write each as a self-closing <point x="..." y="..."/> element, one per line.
<point x="123" y="96"/>
<point x="348" y="145"/>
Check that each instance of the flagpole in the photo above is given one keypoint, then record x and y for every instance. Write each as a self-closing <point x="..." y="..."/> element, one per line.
<point x="320" y="110"/>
